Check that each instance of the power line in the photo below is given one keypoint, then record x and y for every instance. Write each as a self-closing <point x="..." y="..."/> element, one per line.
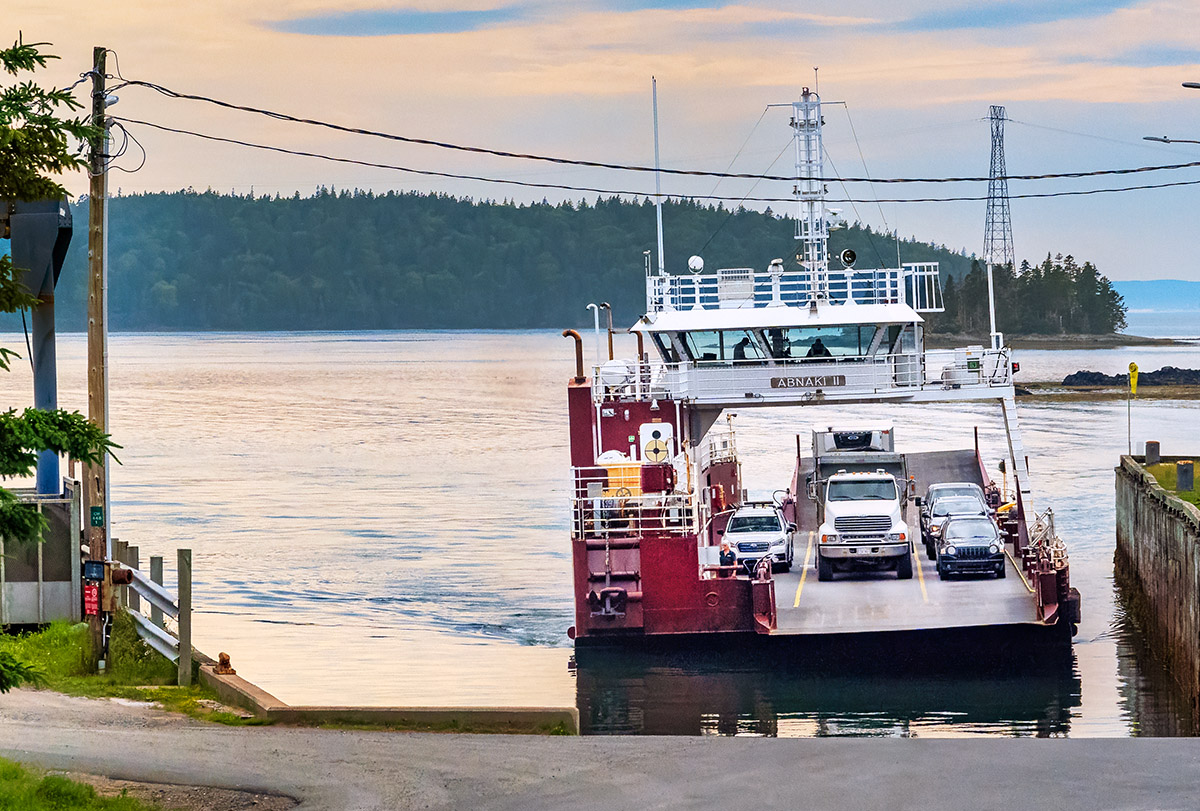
<point x="627" y="167"/>
<point x="627" y="192"/>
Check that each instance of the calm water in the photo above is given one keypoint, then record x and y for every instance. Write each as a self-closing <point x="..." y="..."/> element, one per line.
<point x="382" y="518"/>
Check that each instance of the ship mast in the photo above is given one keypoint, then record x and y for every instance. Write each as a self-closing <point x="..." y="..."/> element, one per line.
<point x="812" y="227"/>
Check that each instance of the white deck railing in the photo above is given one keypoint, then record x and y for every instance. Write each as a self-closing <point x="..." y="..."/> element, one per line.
<point x="915" y="284"/>
<point x="934" y="374"/>
<point x="605" y="506"/>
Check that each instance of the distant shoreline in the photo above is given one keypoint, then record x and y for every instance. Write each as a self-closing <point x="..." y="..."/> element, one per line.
<point x="938" y="341"/>
<point x="932" y="341"/>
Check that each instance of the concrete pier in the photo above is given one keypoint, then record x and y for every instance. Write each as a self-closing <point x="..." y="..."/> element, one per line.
<point x="1158" y="569"/>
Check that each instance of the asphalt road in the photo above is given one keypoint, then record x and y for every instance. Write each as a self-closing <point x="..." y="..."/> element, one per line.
<point x="329" y="769"/>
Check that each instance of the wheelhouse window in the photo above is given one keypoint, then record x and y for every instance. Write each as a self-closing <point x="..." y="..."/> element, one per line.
<point x="840" y="341"/>
<point x="722" y="346"/>
<point x="665" y="348"/>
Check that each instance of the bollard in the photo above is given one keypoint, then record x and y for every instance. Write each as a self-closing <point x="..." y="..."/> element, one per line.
<point x="1153" y="457"/>
<point x="184" y="573"/>
<point x="1185" y="480"/>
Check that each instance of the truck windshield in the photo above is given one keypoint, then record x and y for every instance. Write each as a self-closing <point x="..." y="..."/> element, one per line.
<point x="869" y="490"/>
<point x="753" y="523"/>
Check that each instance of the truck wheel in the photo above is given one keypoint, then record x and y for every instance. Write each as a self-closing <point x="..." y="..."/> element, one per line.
<point x="1002" y="571"/>
<point x="824" y="568"/>
<point x="930" y="550"/>
<point x="942" y="575"/>
<point x="904" y="568"/>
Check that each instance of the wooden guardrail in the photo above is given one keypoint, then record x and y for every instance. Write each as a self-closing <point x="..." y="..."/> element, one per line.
<point x="173" y="643"/>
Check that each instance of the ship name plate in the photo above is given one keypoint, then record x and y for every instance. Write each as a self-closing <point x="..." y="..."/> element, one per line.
<point x="808" y="382"/>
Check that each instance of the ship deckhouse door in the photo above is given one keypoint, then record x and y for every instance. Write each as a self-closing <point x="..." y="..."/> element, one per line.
<point x="656" y="442"/>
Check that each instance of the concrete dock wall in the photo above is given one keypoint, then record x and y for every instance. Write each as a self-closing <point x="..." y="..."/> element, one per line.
<point x="1158" y="569"/>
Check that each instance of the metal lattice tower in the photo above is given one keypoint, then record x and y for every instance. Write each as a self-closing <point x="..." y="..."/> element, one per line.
<point x="997" y="232"/>
<point x="812" y="227"/>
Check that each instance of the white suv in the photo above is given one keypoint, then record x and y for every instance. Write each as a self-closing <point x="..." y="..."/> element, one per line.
<point x="759" y="530"/>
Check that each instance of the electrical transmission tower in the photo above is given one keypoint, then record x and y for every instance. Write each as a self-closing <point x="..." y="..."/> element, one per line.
<point x="997" y="232"/>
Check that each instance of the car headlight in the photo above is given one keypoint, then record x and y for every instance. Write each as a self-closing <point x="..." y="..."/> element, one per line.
<point x="950" y="550"/>
<point x="994" y="549"/>
<point x="935" y="527"/>
<point x="895" y="536"/>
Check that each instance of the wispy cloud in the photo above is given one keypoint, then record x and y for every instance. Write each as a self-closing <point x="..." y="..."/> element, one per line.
<point x="374" y="23"/>
<point x="1009" y="14"/>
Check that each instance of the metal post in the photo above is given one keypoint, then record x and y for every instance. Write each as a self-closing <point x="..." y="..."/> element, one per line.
<point x="1129" y="419"/>
<point x="184" y="572"/>
<point x="41" y="581"/>
<point x="995" y="342"/>
<point x="156" y="575"/>
<point x="96" y="476"/>
<point x="657" y="180"/>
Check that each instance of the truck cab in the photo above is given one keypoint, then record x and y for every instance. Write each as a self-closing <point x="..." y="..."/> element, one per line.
<point x="862" y="524"/>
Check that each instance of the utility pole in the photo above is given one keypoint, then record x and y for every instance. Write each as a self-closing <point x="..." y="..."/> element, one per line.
<point x="96" y="476"/>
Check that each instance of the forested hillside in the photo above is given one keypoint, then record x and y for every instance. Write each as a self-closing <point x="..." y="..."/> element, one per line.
<point x="1057" y="297"/>
<point x="356" y="260"/>
<point x="200" y="261"/>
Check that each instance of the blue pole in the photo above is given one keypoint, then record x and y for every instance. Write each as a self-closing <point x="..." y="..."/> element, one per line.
<point x="45" y="388"/>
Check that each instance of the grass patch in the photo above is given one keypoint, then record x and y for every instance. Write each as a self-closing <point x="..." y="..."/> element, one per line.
<point x="61" y="654"/>
<point x="22" y="789"/>
<point x="1164" y="473"/>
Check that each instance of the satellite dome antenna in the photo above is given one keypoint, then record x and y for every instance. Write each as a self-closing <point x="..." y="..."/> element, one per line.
<point x="696" y="264"/>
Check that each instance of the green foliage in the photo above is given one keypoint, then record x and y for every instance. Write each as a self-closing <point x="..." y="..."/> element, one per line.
<point x="59" y="651"/>
<point x="1057" y="297"/>
<point x="14" y="673"/>
<point x="22" y="789"/>
<point x="37" y="141"/>
<point x="131" y="660"/>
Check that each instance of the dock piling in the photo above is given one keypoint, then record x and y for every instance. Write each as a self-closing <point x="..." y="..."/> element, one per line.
<point x="1185" y="476"/>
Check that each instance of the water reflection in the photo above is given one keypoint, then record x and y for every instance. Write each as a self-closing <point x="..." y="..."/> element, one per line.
<point x="1157" y="706"/>
<point x="764" y="688"/>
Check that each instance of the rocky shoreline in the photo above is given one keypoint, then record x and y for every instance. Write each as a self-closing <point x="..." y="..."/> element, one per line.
<point x="1166" y="376"/>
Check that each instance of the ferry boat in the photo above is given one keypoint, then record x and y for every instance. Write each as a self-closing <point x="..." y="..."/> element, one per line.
<point x="657" y="478"/>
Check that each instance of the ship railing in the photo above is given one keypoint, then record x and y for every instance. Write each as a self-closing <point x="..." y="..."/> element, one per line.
<point x="916" y="284"/>
<point x="608" y="505"/>
<point x="718" y="446"/>
<point x="1044" y="538"/>
<point x="801" y="379"/>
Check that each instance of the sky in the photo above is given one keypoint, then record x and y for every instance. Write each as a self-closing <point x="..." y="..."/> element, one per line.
<point x="1082" y="82"/>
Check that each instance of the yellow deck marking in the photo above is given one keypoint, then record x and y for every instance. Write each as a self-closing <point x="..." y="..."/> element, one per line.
<point x="804" y="571"/>
<point x="1020" y="573"/>
<point x="920" y="575"/>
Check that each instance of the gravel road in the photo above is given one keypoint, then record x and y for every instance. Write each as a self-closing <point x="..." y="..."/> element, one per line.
<point x="328" y="769"/>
